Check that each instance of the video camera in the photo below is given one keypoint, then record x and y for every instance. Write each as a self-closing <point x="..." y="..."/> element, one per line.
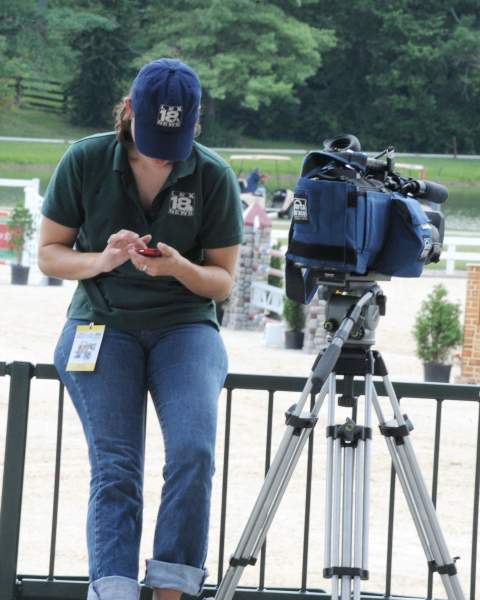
<point x="356" y="220"/>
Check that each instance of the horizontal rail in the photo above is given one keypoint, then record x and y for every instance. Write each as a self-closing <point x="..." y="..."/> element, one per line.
<point x="451" y="255"/>
<point x="20" y="183"/>
<point x="281" y="383"/>
<point x="65" y="588"/>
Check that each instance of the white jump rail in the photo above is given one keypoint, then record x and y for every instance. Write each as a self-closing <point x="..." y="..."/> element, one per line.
<point x="451" y="255"/>
<point x="267" y="297"/>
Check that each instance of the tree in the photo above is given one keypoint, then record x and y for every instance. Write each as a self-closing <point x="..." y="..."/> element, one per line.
<point x="248" y="52"/>
<point x="100" y="51"/>
<point x="402" y="72"/>
<point x="20" y="43"/>
<point x="437" y="328"/>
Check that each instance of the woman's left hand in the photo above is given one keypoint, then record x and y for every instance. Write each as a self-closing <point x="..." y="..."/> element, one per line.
<point x="167" y="264"/>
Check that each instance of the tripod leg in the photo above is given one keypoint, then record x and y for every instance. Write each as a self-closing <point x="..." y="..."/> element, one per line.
<point x="348" y="454"/>
<point x="327" y="553"/>
<point x="270" y="496"/>
<point x="333" y="492"/>
<point x="362" y="491"/>
<point x="369" y="391"/>
<point x="417" y="496"/>
<point x="359" y="522"/>
<point x="336" y="512"/>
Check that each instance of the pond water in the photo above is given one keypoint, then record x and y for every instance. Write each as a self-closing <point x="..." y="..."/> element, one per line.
<point x="462" y="209"/>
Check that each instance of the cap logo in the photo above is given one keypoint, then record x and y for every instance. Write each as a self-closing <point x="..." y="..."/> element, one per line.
<point x="170" y="116"/>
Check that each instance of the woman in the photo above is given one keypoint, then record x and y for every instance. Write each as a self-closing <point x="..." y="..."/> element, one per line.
<point x="113" y="195"/>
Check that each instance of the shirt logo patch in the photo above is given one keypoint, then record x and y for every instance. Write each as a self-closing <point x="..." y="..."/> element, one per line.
<point x="170" y="116"/>
<point x="300" y="209"/>
<point x="182" y="204"/>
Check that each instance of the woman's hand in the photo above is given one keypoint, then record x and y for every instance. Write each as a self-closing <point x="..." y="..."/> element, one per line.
<point x="212" y="279"/>
<point x="167" y="264"/>
<point x="117" y="250"/>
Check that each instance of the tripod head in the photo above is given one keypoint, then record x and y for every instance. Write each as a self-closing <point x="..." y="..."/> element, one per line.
<point x="340" y="303"/>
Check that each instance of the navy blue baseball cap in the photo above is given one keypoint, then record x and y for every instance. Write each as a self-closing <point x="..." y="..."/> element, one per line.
<point x="166" y="102"/>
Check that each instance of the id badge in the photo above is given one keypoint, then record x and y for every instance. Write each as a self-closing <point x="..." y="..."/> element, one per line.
<point x="85" y="348"/>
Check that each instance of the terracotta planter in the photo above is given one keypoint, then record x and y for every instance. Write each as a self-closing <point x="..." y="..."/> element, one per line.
<point x="294" y="340"/>
<point x="19" y="274"/>
<point x="436" y="372"/>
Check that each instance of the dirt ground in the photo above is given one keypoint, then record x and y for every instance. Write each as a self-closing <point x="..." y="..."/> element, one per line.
<point x="30" y="320"/>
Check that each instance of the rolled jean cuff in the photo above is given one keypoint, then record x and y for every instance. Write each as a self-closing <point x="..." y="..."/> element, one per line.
<point x="113" y="588"/>
<point x="173" y="576"/>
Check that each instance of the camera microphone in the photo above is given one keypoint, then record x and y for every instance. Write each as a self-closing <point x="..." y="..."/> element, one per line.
<point x="426" y="190"/>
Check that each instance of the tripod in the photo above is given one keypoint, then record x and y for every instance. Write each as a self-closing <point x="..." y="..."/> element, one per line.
<point x="349" y="354"/>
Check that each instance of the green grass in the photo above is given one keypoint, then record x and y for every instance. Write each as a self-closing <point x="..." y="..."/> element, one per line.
<point x="447" y="170"/>
<point x="26" y="160"/>
<point x="249" y="142"/>
<point x="29" y="122"/>
<point x="15" y="154"/>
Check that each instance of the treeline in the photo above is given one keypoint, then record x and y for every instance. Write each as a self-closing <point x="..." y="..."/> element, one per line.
<point x="397" y="72"/>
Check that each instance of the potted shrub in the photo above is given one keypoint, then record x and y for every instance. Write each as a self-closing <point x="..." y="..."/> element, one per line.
<point x="294" y="315"/>
<point x="437" y="332"/>
<point x="21" y="229"/>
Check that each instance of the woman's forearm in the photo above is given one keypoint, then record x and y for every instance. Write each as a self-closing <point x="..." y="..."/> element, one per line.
<point x="57" y="260"/>
<point x="209" y="281"/>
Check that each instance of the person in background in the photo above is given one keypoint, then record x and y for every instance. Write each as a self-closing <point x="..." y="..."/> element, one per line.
<point x="114" y="198"/>
<point x="255" y="183"/>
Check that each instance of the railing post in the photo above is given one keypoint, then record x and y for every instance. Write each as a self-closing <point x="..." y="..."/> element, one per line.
<point x="11" y="503"/>
<point x="450" y="270"/>
<point x="18" y="90"/>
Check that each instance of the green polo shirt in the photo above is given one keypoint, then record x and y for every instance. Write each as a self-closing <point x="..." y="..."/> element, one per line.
<point x="93" y="189"/>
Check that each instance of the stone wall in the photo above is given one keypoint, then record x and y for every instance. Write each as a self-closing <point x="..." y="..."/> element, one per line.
<point x="315" y="334"/>
<point x="252" y="266"/>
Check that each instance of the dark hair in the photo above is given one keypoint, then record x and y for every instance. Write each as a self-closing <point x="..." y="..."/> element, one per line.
<point x="123" y="124"/>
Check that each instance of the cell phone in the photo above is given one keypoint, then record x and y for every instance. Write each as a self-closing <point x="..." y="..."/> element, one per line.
<point x="152" y="252"/>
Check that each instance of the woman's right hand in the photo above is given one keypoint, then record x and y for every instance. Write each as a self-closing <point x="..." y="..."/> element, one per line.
<point x="116" y="250"/>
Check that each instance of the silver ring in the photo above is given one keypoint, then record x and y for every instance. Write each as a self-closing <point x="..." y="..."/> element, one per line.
<point x="144" y="268"/>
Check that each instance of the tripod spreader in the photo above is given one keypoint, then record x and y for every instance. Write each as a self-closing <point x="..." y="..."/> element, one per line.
<point x="349" y="433"/>
<point x="399" y="433"/>
<point x="297" y="422"/>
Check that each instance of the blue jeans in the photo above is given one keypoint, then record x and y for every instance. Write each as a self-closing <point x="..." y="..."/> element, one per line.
<point x="184" y="369"/>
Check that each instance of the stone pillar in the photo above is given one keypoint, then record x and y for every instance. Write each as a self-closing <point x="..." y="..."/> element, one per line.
<point x="471" y="331"/>
<point x="253" y="266"/>
<point x="315" y="334"/>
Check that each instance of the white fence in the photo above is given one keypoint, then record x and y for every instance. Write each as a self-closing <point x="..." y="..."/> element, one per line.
<point x="450" y="253"/>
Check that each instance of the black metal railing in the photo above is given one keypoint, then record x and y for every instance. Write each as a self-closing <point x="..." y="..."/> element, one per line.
<point x="28" y="587"/>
